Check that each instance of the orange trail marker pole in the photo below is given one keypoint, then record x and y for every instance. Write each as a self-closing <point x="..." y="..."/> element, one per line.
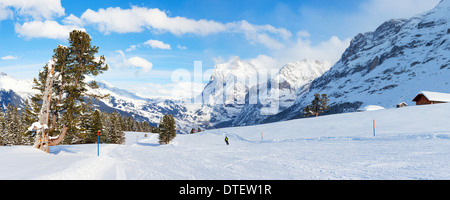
<point x="374" y="128"/>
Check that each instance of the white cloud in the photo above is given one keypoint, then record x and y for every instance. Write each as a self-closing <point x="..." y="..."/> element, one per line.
<point x="174" y="90"/>
<point x="138" y="19"/>
<point x="329" y="50"/>
<point x="266" y="35"/>
<point x="266" y="62"/>
<point x="132" y="48"/>
<point x="137" y="61"/>
<point x="303" y="34"/>
<point x="36" y="9"/>
<point x="9" y="57"/>
<point x="73" y="20"/>
<point x="373" y="13"/>
<point x="46" y="29"/>
<point x="181" y="47"/>
<point x="156" y="44"/>
<point x="120" y="60"/>
<point x="5" y="13"/>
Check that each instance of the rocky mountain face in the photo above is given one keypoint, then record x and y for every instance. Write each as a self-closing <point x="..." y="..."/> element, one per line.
<point x="281" y="91"/>
<point x="387" y="66"/>
<point x="239" y="93"/>
<point x="224" y="96"/>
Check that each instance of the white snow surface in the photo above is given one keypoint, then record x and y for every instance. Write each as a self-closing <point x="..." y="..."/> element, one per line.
<point x="410" y="143"/>
<point x="370" y="108"/>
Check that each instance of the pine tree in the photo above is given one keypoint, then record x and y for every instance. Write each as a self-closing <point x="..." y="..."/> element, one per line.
<point x="95" y="125"/>
<point x="154" y="129"/>
<point x="167" y="128"/>
<point x="2" y="127"/>
<point x="9" y="133"/>
<point x="68" y="107"/>
<point x="117" y="135"/>
<point x="28" y="118"/>
<point x="108" y="129"/>
<point x="317" y="106"/>
<point x="17" y="126"/>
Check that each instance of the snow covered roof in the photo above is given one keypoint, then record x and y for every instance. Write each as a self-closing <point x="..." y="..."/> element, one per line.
<point x="435" y="96"/>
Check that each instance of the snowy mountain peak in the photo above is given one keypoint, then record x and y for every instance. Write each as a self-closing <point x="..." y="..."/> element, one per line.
<point x="239" y="89"/>
<point x="388" y="65"/>
<point x="234" y="68"/>
<point x="299" y="73"/>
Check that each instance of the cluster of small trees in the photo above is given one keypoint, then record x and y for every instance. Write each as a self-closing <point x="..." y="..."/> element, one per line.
<point x="193" y="130"/>
<point x="317" y="106"/>
<point x="13" y="127"/>
<point x="109" y="125"/>
<point x="130" y="124"/>
<point x="14" y="124"/>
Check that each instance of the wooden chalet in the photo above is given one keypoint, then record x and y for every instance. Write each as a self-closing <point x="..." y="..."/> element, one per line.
<point x="426" y="97"/>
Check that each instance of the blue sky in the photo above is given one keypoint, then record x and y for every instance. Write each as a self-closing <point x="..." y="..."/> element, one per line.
<point x="145" y="41"/>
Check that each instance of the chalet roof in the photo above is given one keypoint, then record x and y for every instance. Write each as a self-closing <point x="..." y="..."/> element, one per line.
<point x="434" y="96"/>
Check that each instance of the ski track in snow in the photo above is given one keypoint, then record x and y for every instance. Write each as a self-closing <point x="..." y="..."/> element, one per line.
<point x="290" y="150"/>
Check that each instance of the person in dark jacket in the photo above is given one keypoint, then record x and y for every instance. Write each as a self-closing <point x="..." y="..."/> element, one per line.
<point x="226" y="140"/>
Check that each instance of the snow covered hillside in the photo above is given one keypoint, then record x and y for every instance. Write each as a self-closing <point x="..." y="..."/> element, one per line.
<point x="410" y="143"/>
<point x="143" y="109"/>
<point x="14" y="91"/>
<point x="387" y="66"/>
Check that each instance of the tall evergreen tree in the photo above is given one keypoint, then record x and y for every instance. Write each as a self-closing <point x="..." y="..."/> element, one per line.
<point x="9" y="132"/>
<point x="2" y="127"/>
<point x="95" y="124"/>
<point x="168" y="130"/>
<point x="28" y="118"/>
<point x="116" y="135"/>
<point x="68" y="106"/>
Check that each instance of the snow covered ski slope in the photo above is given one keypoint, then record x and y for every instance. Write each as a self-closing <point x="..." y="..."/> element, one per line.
<point x="410" y="143"/>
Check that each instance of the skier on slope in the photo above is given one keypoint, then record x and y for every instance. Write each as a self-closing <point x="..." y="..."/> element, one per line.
<point x="226" y="140"/>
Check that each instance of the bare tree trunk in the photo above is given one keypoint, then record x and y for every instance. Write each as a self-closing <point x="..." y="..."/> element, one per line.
<point x="42" y="138"/>
<point x="59" y="139"/>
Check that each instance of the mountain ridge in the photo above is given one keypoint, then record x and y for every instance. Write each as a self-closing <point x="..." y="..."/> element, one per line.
<point x="387" y="66"/>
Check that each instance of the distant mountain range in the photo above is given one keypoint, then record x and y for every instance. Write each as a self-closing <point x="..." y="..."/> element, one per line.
<point x="384" y="67"/>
